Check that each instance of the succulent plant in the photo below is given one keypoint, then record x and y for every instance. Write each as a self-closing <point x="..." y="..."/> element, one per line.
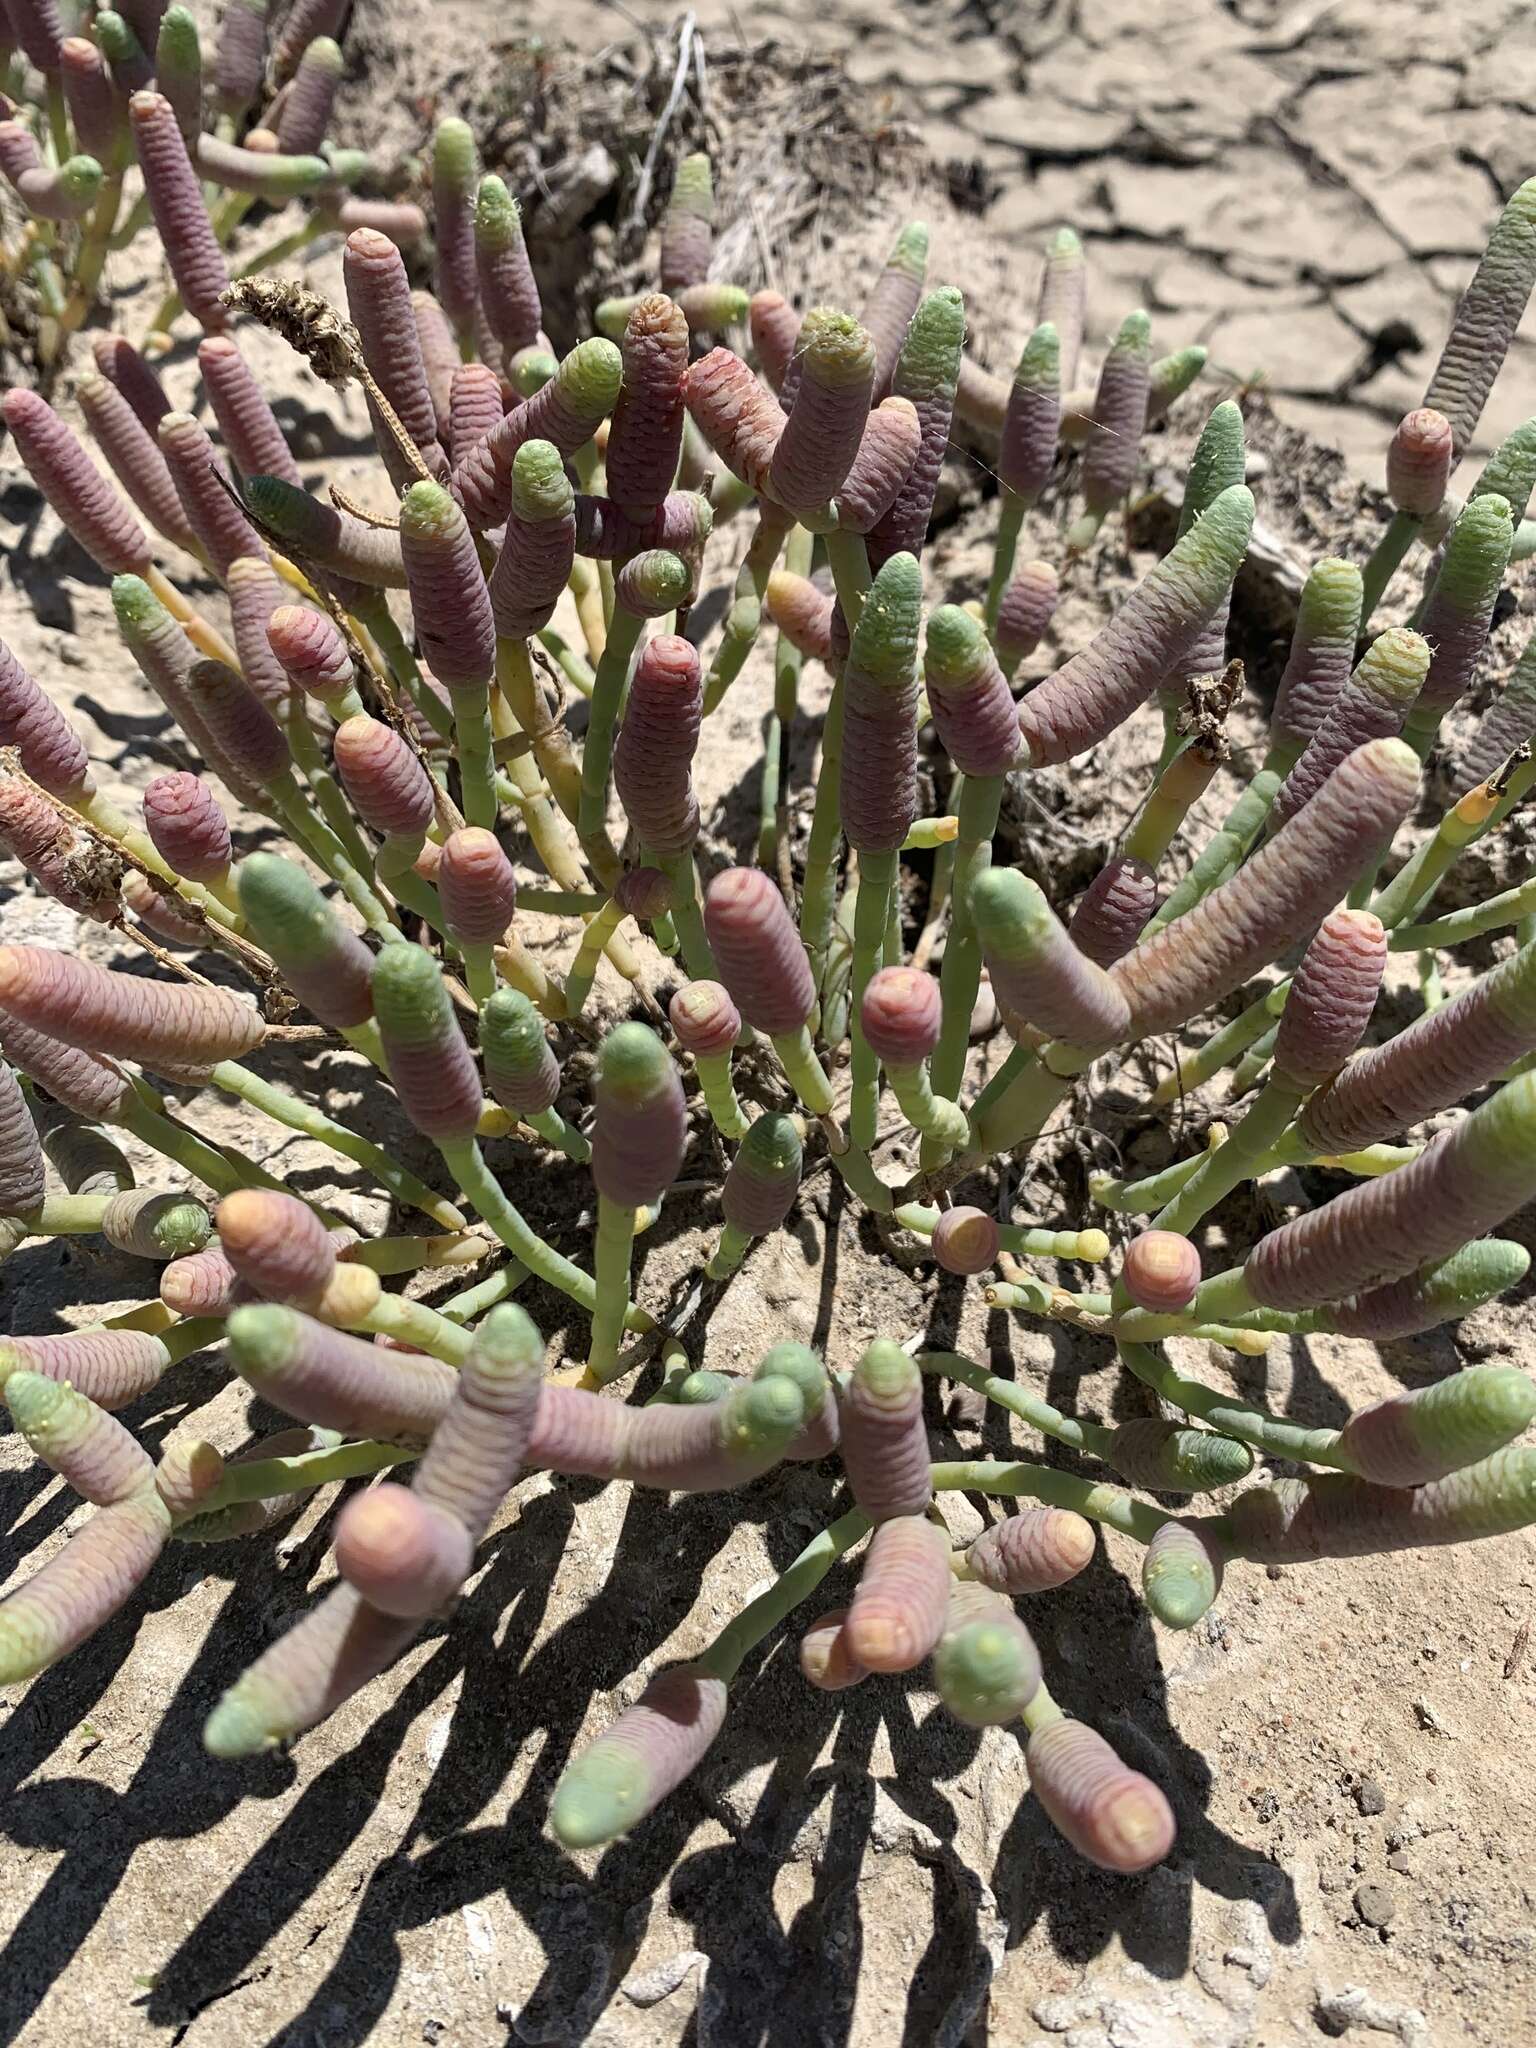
<point x="428" y="795"/>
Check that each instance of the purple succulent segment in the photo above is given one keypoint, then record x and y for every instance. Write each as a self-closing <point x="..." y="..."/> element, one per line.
<point x="1461" y="1184"/>
<point x="76" y="1439"/>
<point x="926" y="373"/>
<point x="901" y="1015"/>
<point x="764" y="1177"/>
<point x="93" y="1088"/>
<point x="176" y="201"/>
<point x="1109" y="1813"/>
<point x="1119" y="415"/>
<point x="895" y="299"/>
<point x="687" y="227"/>
<point x="825" y="1658"/>
<point x="521" y="1071"/>
<point x="36" y="26"/>
<point x="23" y="1177"/>
<point x="310" y="647"/>
<point x="54" y="854"/>
<point x="337" y="541"/>
<point x="455" y="277"/>
<point x="885" y="1443"/>
<point x="99" y="1010"/>
<point x="1159" y="622"/>
<point x="449" y="599"/>
<point x="438" y="1087"/>
<point x="968" y="695"/>
<point x="474" y="406"/>
<point x="878" y="786"/>
<point x="240" y="726"/>
<point x="440" y="359"/>
<point x="802" y="611"/>
<point x="173" y="922"/>
<point x="1038" y="975"/>
<point x="966" y="1241"/>
<point x="113" y="1368"/>
<point x="1114" y="909"/>
<point x="1063" y="299"/>
<point x="644" y="1756"/>
<point x="647" y="430"/>
<point x="203" y="1284"/>
<point x="1461" y="603"/>
<point x="390" y="789"/>
<point x="886" y="452"/>
<point x="254" y="595"/>
<point x="762" y="961"/>
<point x="277" y="1245"/>
<point x="1025" y="613"/>
<point x="165" y="659"/>
<point x="50" y="749"/>
<point x="821" y="438"/>
<point x="1331" y="998"/>
<point x="248" y="425"/>
<point x="477" y="887"/>
<point x="306" y="116"/>
<point x="240" y="54"/>
<point x="122" y="365"/>
<point x="706" y="1021"/>
<point x="643" y="893"/>
<point x="379" y="301"/>
<point x="1032" y="1551"/>
<point x="305" y="21"/>
<point x="81" y="1586"/>
<point x="681" y="523"/>
<point x="135" y="458"/>
<point x="84" y="501"/>
<point x="565" y="412"/>
<point x="1032" y="423"/>
<point x="1437" y="1060"/>
<point x="1505" y="726"/>
<point x="207" y="494"/>
<point x="1419" y="458"/>
<point x="508" y="290"/>
<point x="1322" y="652"/>
<point x="531" y="572"/>
<point x="653" y="757"/>
<point x="324" y="1376"/>
<point x="481" y="1444"/>
<point x="1287" y="888"/>
<point x="1161" y="1271"/>
<point x="406" y="1556"/>
<point x="897" y="1614"/>
<point x="1335" y="1515"/>
<point x="674" y="1448"/>
<point x="1415" y="1437"/>
<point x="740" y="420"/>
<point x="306" y="1674"/>
<point x="639" y="1135"/>
<point x="1486" y="318"/>
<point x="775" y="328"/>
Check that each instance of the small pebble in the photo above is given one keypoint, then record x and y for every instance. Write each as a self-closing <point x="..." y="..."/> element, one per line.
<point x="1375" y="1904"/>
<point x="1369" y="1796"/>
<point x="1399" y="1862"/>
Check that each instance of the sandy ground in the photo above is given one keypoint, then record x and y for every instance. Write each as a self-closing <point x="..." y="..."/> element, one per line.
<point x="1348" y="1748"/>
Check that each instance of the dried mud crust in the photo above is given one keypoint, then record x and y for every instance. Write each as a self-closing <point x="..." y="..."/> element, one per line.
<point x="1348" y="1748"/>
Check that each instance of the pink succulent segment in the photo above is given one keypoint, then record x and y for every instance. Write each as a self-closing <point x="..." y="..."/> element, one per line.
<point x="901" y="1015"/>
<point x="477" y="887"/>
<point x="965" y="1240"/>
<point x="671" y="1448"/>
<point x="122" y="365"/>
<point x="775" y="328"/>
<point x="638" y="1141"/>
<point x="1109" y="1813"/>
<point x="644" y="893"/>
<point x="825" y="1658"/>
<point x="656" y="1743"/>
<point x="968" y="695"/>
<point x="647" y="430"/>
<point x="1161" y="1271"/>
<point x="1419" y="458"/>
<point x="1114" y="909"/>
<point x="406" y="1556"/>
<point x="390" y="789"/>
<point x="887" y="449"/>
<point x="681" y="524"/>
<point x="78" y="1440"/>
<point x="474" y="406"/>
<point x="1038" y="975"/>
<point x="706" y="1021"/>
<point x="926" y="373"/>
<point x="248" y="425"/>
<point x="1289" y="885"/>
<point x="23" y="1178"/>
<point x="821" y="437"/>
<point x="898" y="1609"/>
<point x="802" y="612"/>
<point x="1322" y="652"/>
<point x="1331" y="998"/>
<point x="531" y="572"/>
<point x="565" y="412"/>
<point x="277" y="1245"/>
<point x="78" y="492"/>
<point x="1032" y="1551"/>
<point x="310" y="647"/>
<point x="653" y="756"/>
<point x="449" y="599"/>
<point x="82" y="1586"/>
<point x="176" y="201"/>
<point x="207" y="493"/>
<point x="1025" y="613"/>
<point x="50" y="749"/>
<point x="885" y="1443"/>
<point x="1371" y="705"/>
<point x="55" y="855"/>
<point x="110" y="1367"/>
<point x="741" y="421"/>
<point x="762" y="1183"/>
<point x="304" y="22"/>
<point x="98" y="1010"/>
<point x="379" y="301"/>
<point x="687" y="227"/>
<point x="135" y="458"/>
<point x="93" y="1088"/>
<point x="173" y="922"/>
<point x="761" y="958"/>
<point x="455" y="277"/>
<point x="1119" y="415"/>
<point x="203" y="1284"/>
<point x="440" y="360"/>
<point x="254" y="595"/>
<point x="323" y="1659"/>
<point x="1336" y="1515"/>
<point x="36" y="25"/>
<point x="325" y="1376"/>
<point x="240" y="54"/>
<point x="237" y="722"/>
<point x="306" y="116"/>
